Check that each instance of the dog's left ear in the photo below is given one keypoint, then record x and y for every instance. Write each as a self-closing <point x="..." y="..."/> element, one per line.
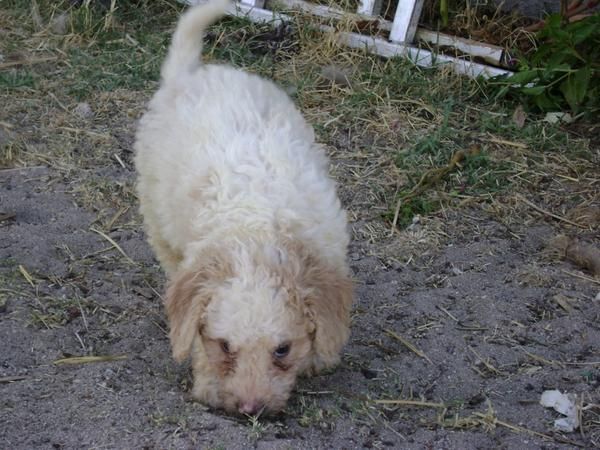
<point x="188" y="295"/>
<point x="185" y="303"/>
<point x="327" y="303"/>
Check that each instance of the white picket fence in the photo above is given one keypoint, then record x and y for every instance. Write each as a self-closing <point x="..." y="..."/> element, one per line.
<point x="403" y="31"/>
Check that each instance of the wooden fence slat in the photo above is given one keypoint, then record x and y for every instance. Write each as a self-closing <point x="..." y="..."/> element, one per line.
<point x="406" y="20"/>
<point x="369" y="7"/>
<point x="379" y="46"/>
<point x="254" y="3"/>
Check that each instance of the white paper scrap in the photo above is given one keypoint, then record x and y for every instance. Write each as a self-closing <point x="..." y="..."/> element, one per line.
<point x="565" y="404"/>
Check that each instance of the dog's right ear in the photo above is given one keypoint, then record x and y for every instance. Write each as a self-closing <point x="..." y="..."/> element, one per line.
<point x="185" y="303"/>
<point x="188" y="294"/>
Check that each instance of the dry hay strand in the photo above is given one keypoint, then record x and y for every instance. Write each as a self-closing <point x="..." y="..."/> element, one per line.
<point x="418" y="403"/>
<point x="114" y="244"/>
<point x="486" y="363"/>
<point x="73" y="360"/>
<point x="11" y="379"/>
<point x="408" y="345"/>
<point x="489" y="421"/>
<point x="28" y="277"/>
<point x="548" y="213"/>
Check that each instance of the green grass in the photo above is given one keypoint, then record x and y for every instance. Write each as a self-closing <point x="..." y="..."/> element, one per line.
<point x="110" y="70"/>
<point x="15" y="79"/>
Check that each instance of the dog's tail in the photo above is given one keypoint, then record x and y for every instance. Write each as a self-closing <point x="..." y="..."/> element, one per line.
<point x="186" y="45"/>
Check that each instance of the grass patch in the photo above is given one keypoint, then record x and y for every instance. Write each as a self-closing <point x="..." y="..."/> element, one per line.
<point x="14" y="79"/>
<point x="394" y="123"/>
<point x="51" y="312"/>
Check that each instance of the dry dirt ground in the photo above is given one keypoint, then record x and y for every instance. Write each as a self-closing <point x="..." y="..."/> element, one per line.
<point x="463" y="318"/>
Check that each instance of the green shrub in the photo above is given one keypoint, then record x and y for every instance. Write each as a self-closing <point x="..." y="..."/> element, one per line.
<point x="564" y="71"/>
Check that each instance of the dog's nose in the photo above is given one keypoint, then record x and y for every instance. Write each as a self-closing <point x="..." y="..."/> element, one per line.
<point x="251" y="407"/>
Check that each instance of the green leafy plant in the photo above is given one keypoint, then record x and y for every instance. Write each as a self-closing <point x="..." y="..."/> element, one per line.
<point x="564" y="71"/>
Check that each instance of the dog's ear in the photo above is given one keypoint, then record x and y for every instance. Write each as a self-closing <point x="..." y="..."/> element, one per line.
<point x="327" y="303"/>
<point x="185" y="303"/>
<point x="188" y="295"/>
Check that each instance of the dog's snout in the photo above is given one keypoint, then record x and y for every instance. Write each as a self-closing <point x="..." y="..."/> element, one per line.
<point x="250" y="407"/>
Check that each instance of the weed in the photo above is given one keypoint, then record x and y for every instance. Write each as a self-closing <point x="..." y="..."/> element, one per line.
<point x="15" y="79"/>
<point x="257" y="428"/>
<point x="159" y="419"/>
<point x="313" y="414"/>
<point x="564" y="70"/>
<point x="51" y="312"/>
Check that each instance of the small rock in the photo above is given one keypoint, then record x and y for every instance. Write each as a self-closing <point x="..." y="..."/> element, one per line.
<point x="60" y="23"/>
<point x="555" y="117"/>
<point x="519" y="117"/>
<point x="368" y="373"/>
<point x="83" y="110"/>
<point x="597" y="298"/>
<point x="291" y="90"/>
<point x="456" y="271"/>
<point x="337" y="75"/>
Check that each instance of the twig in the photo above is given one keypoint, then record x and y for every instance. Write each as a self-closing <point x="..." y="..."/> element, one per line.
<point x="114" y="244"/>
<point x="548" y="213"/>
<point x="408" y="345"/>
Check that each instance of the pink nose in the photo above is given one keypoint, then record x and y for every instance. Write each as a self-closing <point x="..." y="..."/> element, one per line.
<point x="251" y="407"/>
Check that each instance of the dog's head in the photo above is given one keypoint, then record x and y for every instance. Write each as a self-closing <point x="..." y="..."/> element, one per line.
<point x="260" y="318"/>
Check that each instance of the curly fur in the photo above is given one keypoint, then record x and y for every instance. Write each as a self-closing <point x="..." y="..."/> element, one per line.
<point x="244" y="219"/>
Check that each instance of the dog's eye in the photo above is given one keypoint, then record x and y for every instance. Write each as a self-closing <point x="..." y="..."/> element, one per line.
<point x="282" y="351"/>
<point x="225" y="346"/>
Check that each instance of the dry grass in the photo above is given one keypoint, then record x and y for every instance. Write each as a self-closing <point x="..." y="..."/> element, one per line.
<point x="389" y="129"/>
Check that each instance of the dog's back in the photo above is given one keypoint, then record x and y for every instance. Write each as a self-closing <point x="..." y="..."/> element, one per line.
<point x="221" y="151"/>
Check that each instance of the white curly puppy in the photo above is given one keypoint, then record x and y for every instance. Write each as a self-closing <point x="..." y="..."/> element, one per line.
<point x="242" y="215"/>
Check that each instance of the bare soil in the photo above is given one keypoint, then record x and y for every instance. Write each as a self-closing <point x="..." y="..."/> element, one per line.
<point x="480" y="305"/>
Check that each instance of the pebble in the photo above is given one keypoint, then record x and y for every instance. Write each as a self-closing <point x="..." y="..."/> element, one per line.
<point x="59" y="24"/>
<point x="84" y="110"/>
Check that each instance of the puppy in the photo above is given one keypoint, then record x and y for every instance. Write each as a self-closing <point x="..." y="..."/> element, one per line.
<point x="243" y="217"/>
